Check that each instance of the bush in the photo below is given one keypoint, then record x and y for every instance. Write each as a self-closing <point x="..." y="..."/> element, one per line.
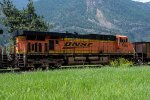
<point x="121" y="62"/>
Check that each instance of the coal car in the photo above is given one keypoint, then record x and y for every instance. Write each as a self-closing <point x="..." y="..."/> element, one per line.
<point x="142" y="51"/>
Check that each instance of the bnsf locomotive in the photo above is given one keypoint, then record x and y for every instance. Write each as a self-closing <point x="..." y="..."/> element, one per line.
<point x="33" y="49"/>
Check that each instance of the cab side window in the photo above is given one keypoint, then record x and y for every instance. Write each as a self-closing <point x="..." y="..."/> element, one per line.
<point x="123" y="40"/>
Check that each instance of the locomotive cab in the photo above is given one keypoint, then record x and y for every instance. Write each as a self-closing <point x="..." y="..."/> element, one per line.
<point x="121" y="40"/>
<point x="123" y="46"/>
<point x="36" y="49"/>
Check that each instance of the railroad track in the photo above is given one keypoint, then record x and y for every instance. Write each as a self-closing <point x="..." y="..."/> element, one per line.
<point x="81" y="66"/>
<point x="10" y="70"/>
<point x="17" y="70"/>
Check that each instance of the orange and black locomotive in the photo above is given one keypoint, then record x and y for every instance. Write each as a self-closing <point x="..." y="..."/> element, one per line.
<point x="33" y="49"/>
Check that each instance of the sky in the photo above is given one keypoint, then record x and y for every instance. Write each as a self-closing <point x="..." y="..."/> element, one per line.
<point x="142" y="0"/>
<point x="20" y="3"/>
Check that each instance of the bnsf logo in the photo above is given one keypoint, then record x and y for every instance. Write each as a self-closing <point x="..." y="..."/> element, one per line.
<point x="70" y="45"/>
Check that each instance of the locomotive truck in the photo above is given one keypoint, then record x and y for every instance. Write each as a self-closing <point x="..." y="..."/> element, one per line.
<point x="34" y="49"/>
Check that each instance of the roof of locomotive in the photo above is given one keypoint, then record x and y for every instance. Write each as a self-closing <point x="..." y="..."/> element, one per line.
<point x="66" y="35"/>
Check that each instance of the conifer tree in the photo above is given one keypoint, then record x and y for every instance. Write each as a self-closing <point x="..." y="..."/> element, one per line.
<point x="25" y="19"/>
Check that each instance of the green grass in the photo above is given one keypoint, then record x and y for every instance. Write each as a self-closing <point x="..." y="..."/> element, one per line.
<point x="78" y="84"/>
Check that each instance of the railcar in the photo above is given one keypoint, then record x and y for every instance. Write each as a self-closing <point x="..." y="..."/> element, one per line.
<point x="142" y="51"/>
<point x="33" y="49"/>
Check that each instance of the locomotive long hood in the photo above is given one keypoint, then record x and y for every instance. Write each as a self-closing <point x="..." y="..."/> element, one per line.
<point x="66" y="35"/>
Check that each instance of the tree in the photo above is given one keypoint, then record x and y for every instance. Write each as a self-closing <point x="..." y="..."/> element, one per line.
<point x="25" y="19"/>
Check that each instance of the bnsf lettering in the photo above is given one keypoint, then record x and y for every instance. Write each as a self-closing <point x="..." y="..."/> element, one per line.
<point x="77" y="44"/>
<point x="89" y="44"/>
<point x="67" y="44"/>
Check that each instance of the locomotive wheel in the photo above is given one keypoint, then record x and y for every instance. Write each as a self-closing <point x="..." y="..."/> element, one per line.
<point x="37" y="66"/>
<point x="23" y="69"/>
<point x="57" y="65"/>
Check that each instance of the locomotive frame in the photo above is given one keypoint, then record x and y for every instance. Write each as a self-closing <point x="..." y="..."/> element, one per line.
<point x="33" y="49"/>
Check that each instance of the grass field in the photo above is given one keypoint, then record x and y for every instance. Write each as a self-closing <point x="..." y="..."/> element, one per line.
<point x="78" y="84"/>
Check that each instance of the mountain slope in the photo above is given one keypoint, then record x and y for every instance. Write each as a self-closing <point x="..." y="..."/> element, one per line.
<point x="98" y="16"/>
